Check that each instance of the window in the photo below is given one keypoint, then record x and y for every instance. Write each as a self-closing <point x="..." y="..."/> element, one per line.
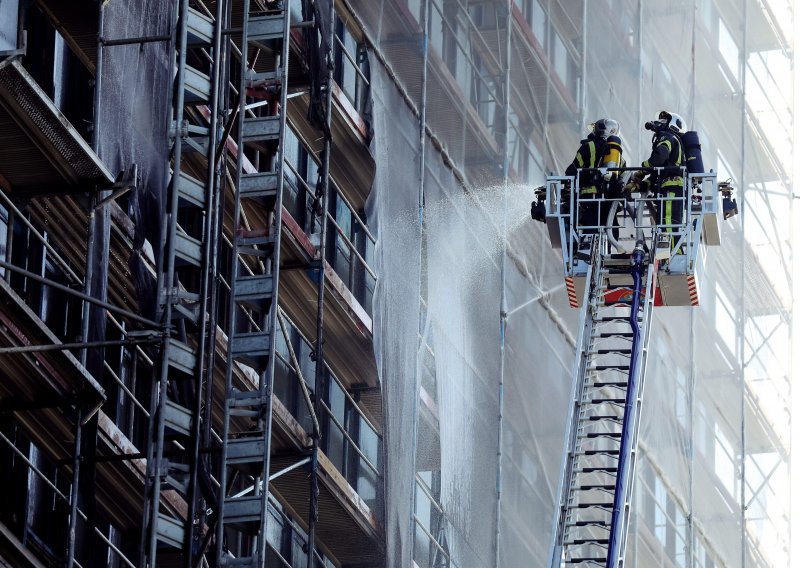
<point x="724" y="457"/>
<point x="538" y="21"/>
<point x="300" y="174"/>
<point x="484" y="88"/>
<point x="348" y="439"/>
<point x="728" y="49"/>
<point x="560" y="58"/>
<point x="662" y="515"/>
<point x="350" y="249"/>
<point x="351" y="71"/>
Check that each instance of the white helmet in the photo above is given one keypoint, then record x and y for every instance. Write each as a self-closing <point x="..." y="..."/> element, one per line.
<point x="673" y="121"/>
<point x="604" y="128"/>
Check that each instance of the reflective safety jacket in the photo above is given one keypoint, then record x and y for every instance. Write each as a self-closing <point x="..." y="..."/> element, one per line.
<point x="590" y="155"/>
<point x="667" y="151"/>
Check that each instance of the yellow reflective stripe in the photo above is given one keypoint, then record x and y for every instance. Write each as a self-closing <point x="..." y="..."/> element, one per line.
<point x="588" y="190"/>
<point x="666" y="142"/>
<point x="668" y="211"/>
<point x="592" y="155"/>
<point x="646" y="164"/>
<point x="579" y="159"/>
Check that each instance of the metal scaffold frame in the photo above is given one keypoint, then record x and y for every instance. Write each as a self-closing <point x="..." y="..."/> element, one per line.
<point x="176" y="411"/>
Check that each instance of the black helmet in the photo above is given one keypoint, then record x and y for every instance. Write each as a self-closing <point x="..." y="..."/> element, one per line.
<point x="604" y="127"/>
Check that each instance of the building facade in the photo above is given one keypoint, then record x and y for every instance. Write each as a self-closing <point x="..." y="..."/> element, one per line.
<point x="246" y="300"/>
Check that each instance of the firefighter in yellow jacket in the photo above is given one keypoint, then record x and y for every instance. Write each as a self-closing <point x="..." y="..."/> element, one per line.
<point x="601" y="149"/>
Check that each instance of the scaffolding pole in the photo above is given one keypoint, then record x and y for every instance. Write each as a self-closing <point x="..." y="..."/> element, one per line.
<point x="503" y="298"/>
<point x="319" y="352"/>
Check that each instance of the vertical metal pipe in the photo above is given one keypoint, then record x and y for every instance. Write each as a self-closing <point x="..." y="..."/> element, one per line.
<point x="640" y="82"/>
<point x="693" y="322"/>
<point x="98" y="77"/>
<point x="73" y="492"/>
<point x="740" y="340"/>
<point x="584" y="63"/>
<point x="9" y="243"/>
<point x="167" y="281"/>
<point x="691" y="449"/>
<point x="319" y="369"/>
<point x="503" y="299"/>
<point x="628" y="423"/>
<point x="89" y="275"/>
<point x="423" y="110"/>
<point x="421" y="205"/>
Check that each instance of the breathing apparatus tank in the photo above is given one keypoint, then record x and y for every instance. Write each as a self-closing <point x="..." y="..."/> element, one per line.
<point x="613" y="155"/>
<point x="694" y="156"/>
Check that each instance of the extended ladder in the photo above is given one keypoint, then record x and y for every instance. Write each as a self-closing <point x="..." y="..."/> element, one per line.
<point x="242" y="509"/>
<point x="598" y="469"/>
<point x="183" y="284"/>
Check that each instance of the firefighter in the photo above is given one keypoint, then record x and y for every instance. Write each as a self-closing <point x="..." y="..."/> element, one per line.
<point x="667" y="152"/>
<point x="602" y="148"/>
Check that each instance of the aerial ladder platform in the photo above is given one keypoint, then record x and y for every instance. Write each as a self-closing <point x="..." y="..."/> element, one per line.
<point x="620" y="260"/>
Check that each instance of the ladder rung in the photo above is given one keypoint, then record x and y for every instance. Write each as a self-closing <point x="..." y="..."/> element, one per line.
<point x="604" y="417"/>
<point x="598" y="469"/>
<point x="264" y="77"/>
<point x="265" y="28"/>
<point x="610" y="453"/>
<point x="592" y="523"/>
<point x="612" y="352"/>
<point x="599" y="561"/>
<point x="259" y="185"/>
<point x="188" y="249"/>
<point x="177" y="418"/>
<point x="200" y="28"/>
<point x="604" y="435"/>
<point x="608" y="400"/>
<point x="610" y="334"/>
<point x="591" y="506"/>
<point x="191" y="191"/>
<point x="601" y="487"/>
<point x="610" y="384"/>
<point x="246" y="453"/>
<point x="579" y="541"/>
<point x="197" y="86"/>
<point x="247" y="240"/>
<point x="262" y="128"/>
<point x="609" y="368"/>
<point x="236" y="511"/>
<point x="248" y="561"/>
<point x="239" y="398"/>
<point x="251" y="348"/>
<point x="169" y="530"/>
<point x="254" y="290"/>
<point x="181" y="356"/>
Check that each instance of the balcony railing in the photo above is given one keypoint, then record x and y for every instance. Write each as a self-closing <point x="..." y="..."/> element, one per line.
<point x="351" y="260"/>
<point x="349" y="440"/>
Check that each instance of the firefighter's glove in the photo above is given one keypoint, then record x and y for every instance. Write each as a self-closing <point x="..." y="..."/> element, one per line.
<point x="636" y="183"/>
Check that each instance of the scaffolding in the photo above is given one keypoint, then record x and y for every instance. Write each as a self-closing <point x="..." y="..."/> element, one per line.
<point x="240" y="166"/>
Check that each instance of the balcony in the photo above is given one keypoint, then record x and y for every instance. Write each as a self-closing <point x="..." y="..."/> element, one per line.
<point x="350" y="497"/>
<point x="352" y="165"/>
<point x="40" y="379"/>
<point x="41" y="151"/>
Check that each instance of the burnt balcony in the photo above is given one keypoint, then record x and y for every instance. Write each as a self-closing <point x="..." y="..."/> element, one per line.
<point x="42" y="152"/>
